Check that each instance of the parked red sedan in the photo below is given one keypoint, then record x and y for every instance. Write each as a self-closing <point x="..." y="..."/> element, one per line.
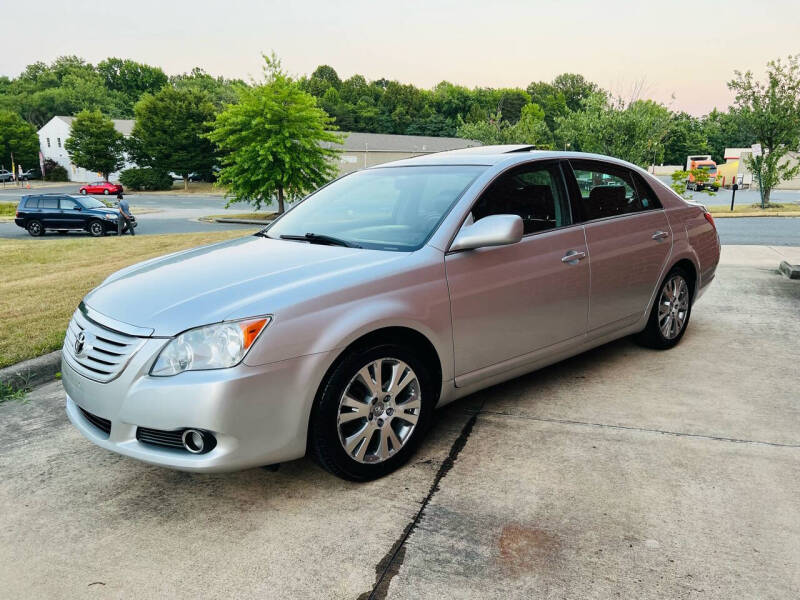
<point x="101" y="187"/>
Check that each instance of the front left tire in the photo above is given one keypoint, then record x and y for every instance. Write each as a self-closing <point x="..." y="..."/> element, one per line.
<point x="96" y="229"/>
<point x="371" y="412"/>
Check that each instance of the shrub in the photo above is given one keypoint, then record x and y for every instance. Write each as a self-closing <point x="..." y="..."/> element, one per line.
<point x="54" y="171"/>
<point x="145" y="179"/>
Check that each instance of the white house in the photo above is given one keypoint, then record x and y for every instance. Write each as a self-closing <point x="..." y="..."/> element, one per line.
<point x="51" y="141"/>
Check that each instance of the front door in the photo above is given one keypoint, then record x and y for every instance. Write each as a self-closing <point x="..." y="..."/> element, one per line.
<point x="629" y="241"/>
<point x="509" y="301"/>
<point x="71" y="214"/>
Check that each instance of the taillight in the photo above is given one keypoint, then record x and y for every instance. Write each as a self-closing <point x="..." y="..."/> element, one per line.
<point x="710" y="219"/>
<point x="17" y="215"/>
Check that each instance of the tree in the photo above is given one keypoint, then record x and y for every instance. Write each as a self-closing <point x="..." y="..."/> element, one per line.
<point x="685" y="136"/>
<point x="530" y="129"/>
<point x="131" y="79"/>
<point x="94" y="144"/>
<point x="170" y="132"/>
<point x="275" y="141"/>
<point x="634" y="132"/>
<point x="18" y="138"/>
<point x="220" y="91"/>
<point x="575" y="88"/>
<point x="771" y="111"/>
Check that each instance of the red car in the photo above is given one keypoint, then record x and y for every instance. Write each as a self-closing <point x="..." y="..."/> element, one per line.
<point x="101" y="187"/>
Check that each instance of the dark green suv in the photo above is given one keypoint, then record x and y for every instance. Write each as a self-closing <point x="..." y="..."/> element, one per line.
<point x="64" y="213"/>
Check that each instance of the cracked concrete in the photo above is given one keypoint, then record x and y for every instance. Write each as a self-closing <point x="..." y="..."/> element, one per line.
<point x="619" y="473"/>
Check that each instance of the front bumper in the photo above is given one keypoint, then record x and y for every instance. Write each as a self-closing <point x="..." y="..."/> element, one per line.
<point x="258" y="415"/>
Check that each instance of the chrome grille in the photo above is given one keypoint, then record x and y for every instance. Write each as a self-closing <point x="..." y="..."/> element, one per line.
<point x="103" y="352"/>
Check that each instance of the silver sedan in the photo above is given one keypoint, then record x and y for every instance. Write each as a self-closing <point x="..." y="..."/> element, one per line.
<point x="337" y="330"/>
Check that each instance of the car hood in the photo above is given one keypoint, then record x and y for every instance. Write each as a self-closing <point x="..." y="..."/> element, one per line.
<point x="235" y="279"/>
<point x="103" y="211"/>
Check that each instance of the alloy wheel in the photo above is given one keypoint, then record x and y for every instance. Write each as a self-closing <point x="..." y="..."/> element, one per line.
<point x="673" y="307"/>
<point x="379" y="410"/>
<point x="96" y="229"/>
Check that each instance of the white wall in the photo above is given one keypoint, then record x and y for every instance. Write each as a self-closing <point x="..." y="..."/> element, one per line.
<point x="57" y="131"/>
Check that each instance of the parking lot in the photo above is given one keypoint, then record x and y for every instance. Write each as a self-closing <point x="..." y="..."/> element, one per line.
<point x="622" y="472"/>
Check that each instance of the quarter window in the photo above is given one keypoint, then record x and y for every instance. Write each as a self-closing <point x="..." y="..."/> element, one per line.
<point x="610" y="191"/>
<point x="535" y="192"/>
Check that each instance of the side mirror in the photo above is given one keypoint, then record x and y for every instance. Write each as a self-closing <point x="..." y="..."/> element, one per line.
<point x="494" y="230"/>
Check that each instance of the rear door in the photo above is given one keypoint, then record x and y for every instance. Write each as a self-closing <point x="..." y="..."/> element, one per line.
<point x="49" y="212"/>
<point x="629" y="241"/>
<point x="510" y="301"/>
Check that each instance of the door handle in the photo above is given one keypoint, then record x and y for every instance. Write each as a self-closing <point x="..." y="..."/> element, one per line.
<point x="572" y="257"/>
<point x="660" y="235"/>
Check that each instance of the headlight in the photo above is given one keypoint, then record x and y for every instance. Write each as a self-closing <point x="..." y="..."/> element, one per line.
<point x="110" y="216"/>
<point x="216" y="346"/>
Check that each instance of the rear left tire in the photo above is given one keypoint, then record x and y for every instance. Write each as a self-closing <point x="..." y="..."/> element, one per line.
<point x="35" y="228"/>
<point x="670" y="314"/>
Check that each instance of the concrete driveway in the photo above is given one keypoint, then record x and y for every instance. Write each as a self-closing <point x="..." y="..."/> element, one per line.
<point x="623" y="472"/>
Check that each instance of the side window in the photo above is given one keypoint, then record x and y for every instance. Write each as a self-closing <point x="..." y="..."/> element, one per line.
<point x="48" y="202"/>
<point x="32" y="203"/>
<point x="535" y="192"/>
<point x="68" y="204"/>
<point x="647" y="196"/>
<point x="606" y="190"/>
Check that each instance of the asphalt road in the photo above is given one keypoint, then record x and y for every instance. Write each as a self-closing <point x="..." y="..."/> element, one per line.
<point x="179" y="214"/>
<point x="620" y="473"/>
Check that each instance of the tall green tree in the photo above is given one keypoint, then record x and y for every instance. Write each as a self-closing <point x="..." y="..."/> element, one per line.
<point x="94" y="144"/>
<point x="130" y="79"/>
<point x="632" y="131"/>
<point x="170" y="132"/>
<point x="19" y="138"/>
<point x="529" y="129"/>
<point x="275" y="141"/>
<point x="771" y="111"/>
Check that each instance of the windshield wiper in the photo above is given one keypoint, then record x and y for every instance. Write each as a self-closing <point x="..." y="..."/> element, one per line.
<point x="321" y="238"/>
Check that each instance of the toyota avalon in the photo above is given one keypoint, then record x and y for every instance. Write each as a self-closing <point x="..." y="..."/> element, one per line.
<point x="340" y="327"/>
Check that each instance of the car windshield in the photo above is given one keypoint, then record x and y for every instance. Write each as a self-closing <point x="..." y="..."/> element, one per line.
<point x="390" y="208"/>
<point x="92" y="203"/>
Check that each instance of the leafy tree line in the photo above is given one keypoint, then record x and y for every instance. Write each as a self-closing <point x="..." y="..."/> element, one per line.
<point x="178" y="118"/>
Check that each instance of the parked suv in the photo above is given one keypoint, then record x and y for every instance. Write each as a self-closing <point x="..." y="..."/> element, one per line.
<point x="38" y="213"/>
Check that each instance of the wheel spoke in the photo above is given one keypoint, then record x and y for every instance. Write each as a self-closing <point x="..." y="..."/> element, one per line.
<point x="366" y="378"/>
<point x="407" y="417"/>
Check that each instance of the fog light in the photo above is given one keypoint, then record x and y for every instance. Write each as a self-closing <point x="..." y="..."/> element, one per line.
<point x="194" y="441"/>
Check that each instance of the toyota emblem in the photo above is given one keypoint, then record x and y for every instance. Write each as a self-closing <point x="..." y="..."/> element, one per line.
<point x="79" y="342"/>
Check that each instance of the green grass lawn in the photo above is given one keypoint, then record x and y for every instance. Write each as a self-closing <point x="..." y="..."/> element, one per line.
<point x="8" y="209"/>
<point x="42" y="281"/>
<point x="259" y="216"/>
<point x="754" y="210"/>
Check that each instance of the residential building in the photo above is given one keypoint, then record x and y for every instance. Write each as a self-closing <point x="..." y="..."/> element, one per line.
<point x="55" y="132"/>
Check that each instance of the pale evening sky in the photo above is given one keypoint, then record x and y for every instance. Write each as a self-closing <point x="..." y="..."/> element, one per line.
<point x="689" y="49"/>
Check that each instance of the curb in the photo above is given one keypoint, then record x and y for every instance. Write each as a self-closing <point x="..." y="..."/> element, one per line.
<point x="728" y="215"/>
<point x="245" y="221"/>
<point x="791" y="271"/>
<point x="33" y="372"/>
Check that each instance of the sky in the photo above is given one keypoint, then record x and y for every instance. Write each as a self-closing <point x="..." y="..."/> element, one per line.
<point x="681" y="53"/>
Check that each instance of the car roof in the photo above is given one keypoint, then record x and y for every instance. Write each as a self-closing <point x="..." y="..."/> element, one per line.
<point x="504" y="155"/>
